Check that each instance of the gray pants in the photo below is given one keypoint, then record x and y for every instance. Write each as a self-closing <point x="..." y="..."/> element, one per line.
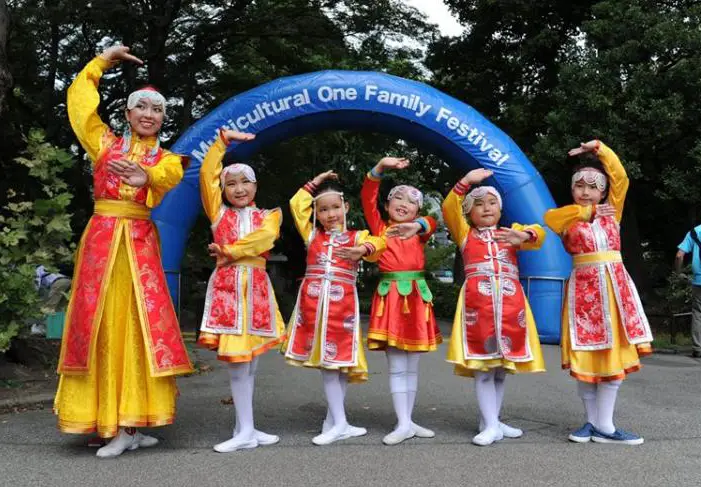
<point x="55" y="298"/>
<point x="696" y="318"/>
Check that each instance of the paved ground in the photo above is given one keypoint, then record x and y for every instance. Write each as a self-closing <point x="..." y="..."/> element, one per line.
<point x="663" y="403"/>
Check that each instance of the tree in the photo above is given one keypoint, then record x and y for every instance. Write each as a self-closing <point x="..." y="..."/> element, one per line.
<point x="5" y="76"/>
<point x="632" y="79"/>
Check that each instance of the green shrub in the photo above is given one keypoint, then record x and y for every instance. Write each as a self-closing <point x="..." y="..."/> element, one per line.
<point x="35" y="230"/>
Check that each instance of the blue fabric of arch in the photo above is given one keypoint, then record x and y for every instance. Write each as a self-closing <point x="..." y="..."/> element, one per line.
<point x="292" y="106"/>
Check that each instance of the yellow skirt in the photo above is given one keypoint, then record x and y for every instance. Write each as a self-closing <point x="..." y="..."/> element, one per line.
<point x="118" y="391"/>
<point x="467" y="368"/>
<point x="602" y="365"/>
<point x="244" y="347"/>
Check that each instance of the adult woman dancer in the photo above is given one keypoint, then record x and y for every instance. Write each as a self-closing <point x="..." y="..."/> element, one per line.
<point x="121" y="345"/>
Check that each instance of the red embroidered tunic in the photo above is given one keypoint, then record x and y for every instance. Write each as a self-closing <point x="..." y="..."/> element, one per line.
<point x="595" y="245"/>
<point x="324" y="330"/>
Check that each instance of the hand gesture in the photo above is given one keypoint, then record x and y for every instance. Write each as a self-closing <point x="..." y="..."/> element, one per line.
<point x="354" y="254"/>
<point x="511" y="236"/>
<point x="605" y="210"/>
<point x="584" y="147"/>
<point x="234" y="136"/>
<point x="119" y="53"/>
<point x="320" y="178"/>
<point x="404" y="230"/>
<point x="476" y="176"/>
<point x="216" y="251"/>
<point x="392" y="163"/>
<point x="130" y="172"/>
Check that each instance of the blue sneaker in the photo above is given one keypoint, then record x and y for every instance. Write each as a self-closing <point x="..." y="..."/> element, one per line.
<point x="617" y="437"/>
<point x="583" y="434"/>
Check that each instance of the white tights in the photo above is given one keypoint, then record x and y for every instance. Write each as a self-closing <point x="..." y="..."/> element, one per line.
<point x="403" y="384"/>
<point x="489" y="387"/>
<point x="335" y="385"/>
<point x="242" y="381"/>
<point x="599" y="403"/>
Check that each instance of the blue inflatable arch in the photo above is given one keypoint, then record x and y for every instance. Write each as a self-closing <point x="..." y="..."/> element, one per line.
<point x="378" y="102"/>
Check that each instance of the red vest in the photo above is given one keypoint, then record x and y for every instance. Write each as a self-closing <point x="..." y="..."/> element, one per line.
<point x="166" y="351"/>
<point x="223" y="311"/>
<point x="327" y="304"/>
<point x="494" y="311"/>
<point x="595" y="248"/>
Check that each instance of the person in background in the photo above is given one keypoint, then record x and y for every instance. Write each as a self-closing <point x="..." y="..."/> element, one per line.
<point x="692" y="245"/>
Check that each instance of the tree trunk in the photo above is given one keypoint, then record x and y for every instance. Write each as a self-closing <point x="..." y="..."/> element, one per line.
<point x="5" y="76"/>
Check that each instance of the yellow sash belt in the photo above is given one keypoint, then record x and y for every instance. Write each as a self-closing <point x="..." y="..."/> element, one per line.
<point x="594" y="258"/>
<point x="122" y="209"/>
<point x="258" y="262"/>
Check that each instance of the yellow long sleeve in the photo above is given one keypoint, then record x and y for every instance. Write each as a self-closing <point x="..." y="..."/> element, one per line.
<point x="258" y="241"/>
<point x="454" y="218"/>
<point x="560" y="219"/>
<point x="163" y="177"/>
<point x="378" y="242"/>
<point x="82" y="102"/>
<point x="539" y="232"/>
<point x="301" y="208"/>
<point x="210" y="186"/>
<point x="618" y="179"/>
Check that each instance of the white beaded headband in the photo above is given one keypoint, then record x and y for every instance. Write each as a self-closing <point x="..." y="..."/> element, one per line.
<point x="149" y="94"/>
<point x="238" y="168"/>
<point x="590" y="176"/>
<point x="478" y="194"/>
<point x="414" y="195"/>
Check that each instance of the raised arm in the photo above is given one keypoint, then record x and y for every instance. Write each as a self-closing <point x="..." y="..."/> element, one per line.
<point x="211" y="169"/>
<point x="618" y="179"/>
<point x="83" y="100"/>
<point x="369" y="195"/>
<point x="301" y="207"/>
<point x="453" y="215"/>
<point x="210" y="186"/>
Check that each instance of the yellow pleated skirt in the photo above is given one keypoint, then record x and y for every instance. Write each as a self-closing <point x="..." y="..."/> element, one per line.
<point x="244" y="347"/>
<point x="602" y="365"/>
<point x="118" y="391"/>
<point x="467" y="368"/>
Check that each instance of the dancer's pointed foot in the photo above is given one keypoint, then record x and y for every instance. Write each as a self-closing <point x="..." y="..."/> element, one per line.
<point x="508" y="431"/>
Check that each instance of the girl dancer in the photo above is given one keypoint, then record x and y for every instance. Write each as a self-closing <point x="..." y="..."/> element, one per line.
<point x="402" y="321"/>
<point x="604" y="327"/>
<point x="494" y="331"/>
<point x="324" y="331"/>
<point x="241" y="318"/>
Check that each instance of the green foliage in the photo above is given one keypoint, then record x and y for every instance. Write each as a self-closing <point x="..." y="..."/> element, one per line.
<point x="35" y="230"/>
<point x="445" y="299"/>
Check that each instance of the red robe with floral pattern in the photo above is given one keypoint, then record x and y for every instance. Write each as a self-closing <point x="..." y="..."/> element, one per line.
<point x="116" y="219"/>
